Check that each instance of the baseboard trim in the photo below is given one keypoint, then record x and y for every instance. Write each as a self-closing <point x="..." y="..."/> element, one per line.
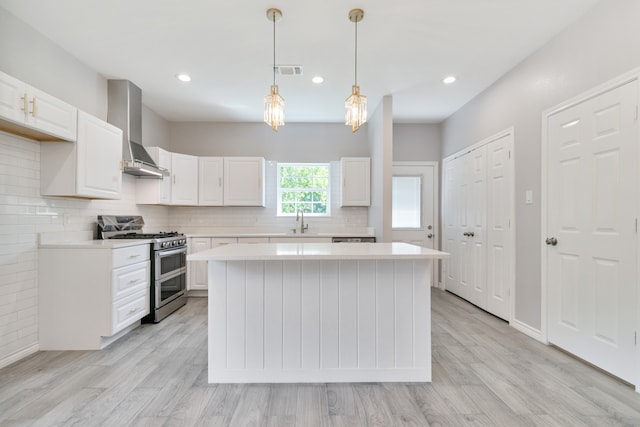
<point x="528" y="330"/>
<point x="21" y="354"/>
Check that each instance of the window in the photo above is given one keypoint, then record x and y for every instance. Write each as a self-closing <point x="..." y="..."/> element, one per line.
<point x="303" y="187"/>
<point x="406" y="203"/>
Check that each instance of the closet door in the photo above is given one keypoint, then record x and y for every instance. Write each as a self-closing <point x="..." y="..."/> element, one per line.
<point x="478" y="205"/>
<point x="476" y="262"/>
<point x="499" y="213"/>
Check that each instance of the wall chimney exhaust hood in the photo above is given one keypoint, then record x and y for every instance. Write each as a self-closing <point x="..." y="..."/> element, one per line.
<point x="125" y="112"/>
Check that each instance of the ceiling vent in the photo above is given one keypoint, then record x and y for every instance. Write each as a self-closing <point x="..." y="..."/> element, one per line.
<point x="289" y="70"/>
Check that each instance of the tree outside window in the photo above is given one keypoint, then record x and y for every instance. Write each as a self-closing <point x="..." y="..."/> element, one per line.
<point x="303" y="187"/>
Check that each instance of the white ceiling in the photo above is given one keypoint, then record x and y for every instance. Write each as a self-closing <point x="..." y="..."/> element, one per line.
<point x="405" y="47"/>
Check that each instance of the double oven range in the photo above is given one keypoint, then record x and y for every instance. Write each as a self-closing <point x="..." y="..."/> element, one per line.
<point x="168" y="262"/>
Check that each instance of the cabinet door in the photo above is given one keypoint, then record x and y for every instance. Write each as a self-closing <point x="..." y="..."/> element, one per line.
<point x="48" y="114"/>
<point x="198" y="279"/>
<point x="356" y="181"/>
<point x="184" y="176"/>
<point x="244" y="181"/>
<point x="155" y="191"/>
<point x="12" y="98"/>
<point x="164" y="161"/>
<point x="99" y="158"/>
<point x="210" y="181"/>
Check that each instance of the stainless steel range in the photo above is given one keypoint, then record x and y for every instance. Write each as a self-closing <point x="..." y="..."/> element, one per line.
<point x="168" y="262"/>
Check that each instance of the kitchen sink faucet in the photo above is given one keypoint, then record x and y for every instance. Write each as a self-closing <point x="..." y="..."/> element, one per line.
<point x="300" y="216"/>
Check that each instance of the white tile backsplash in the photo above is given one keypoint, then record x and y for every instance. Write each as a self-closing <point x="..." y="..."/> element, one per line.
<point x="23" y="215"/>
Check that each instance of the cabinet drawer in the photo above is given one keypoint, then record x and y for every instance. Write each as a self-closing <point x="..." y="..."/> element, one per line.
<point x="129" y="280"/>
<point x="129" y="310"/>
<point x="130" y="255"/>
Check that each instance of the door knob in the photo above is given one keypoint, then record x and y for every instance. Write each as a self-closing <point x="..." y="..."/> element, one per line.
<point x="551" y="241"/>
<point x="465" y="234"/>
<point x="471" y="234"/>
<point x="430" y="236"/>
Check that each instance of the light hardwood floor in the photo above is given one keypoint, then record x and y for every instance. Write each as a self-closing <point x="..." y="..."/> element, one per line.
<point x="484" y="374"/>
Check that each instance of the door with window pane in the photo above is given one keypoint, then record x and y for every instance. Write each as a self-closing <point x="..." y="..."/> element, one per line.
<point x="414" y="204"/>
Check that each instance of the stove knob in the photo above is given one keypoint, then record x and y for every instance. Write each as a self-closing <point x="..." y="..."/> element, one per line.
<point x="165" y="244"/>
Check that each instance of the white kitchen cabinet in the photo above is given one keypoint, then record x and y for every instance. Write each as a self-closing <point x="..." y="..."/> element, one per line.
<point x="244" y="181"/>
<point x="90" y="296"/>
<point x="28" y="111"/>
<point x="154" y="191"/>
<point x="90" y="168"/>
<point x="198" y="280"/>
<point x="184" y="179"/>
<point x="253" y="240"/>
<point x="356" y="181"/>
<point x="210" y="174"/>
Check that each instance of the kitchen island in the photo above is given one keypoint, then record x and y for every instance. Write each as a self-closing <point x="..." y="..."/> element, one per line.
<point x="319" y="312"/>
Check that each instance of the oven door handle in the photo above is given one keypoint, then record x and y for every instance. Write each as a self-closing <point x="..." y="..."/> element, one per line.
<point x="162" y="254"/>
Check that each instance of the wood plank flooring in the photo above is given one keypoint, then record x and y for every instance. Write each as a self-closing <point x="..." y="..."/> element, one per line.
<point x="484" y="374"/>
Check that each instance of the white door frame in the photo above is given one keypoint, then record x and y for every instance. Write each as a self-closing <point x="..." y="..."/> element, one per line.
<point x="436" y="210"/>
<point x="512" y="213"/>
<point x="591" y="93"/>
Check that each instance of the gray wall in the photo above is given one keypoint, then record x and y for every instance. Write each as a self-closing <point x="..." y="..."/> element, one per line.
<point x="29" y="56"/>
<point x="380" y="126"/>
<point x="603" y="44"/>
<point x="294" y="142"/>
<point x="417" y="142"/>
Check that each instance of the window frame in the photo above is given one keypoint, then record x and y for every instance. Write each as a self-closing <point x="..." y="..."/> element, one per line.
<point x="279" y="189"/>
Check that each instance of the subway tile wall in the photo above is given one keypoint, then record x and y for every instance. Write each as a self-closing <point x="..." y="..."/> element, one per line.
<point x="23" y="215"/>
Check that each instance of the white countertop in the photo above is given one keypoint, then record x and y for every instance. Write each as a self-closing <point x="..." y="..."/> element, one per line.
<point x="279" y="234"/>
<point x="95" y="244"/>
<point x="316" y="251"/>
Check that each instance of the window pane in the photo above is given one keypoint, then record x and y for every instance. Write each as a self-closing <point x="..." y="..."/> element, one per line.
<point x="303" y="187"/>
<point x="406" y="203"/>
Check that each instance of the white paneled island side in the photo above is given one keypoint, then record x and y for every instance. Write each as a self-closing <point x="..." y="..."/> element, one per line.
<point x="319" y="312"/>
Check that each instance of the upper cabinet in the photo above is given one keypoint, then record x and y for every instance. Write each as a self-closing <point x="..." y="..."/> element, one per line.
<point x="356" y="181"/>
<point x="184" y="179"/>
<point x="152" y="191"/>
<point x="204" y="181"/>
<point x="90" y="168"/>
<point x="244" y="181"/>
<point x="210" y="181"/>
<point x="30" y="112"/>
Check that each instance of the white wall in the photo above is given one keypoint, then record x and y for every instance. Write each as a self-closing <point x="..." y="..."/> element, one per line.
<point x="602" y="45"/>
<point x="417" y="142"/>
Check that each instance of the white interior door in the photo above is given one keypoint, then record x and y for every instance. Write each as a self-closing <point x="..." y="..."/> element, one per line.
<point x="499" y="238"/>
<point x="414" y="204"/>
<point x="591" y="229"/>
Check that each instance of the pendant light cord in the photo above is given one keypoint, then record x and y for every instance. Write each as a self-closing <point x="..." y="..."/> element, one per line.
<point x="274" y="47"/>
<point x="356" y="50"/>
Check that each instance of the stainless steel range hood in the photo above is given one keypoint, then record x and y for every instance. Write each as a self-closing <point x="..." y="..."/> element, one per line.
<point x="125" y="112"/>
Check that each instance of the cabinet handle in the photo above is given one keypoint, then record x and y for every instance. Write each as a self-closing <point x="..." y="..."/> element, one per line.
<point x="33" y="109"/>
<point x="133" y="310"/>
<point x="174" y="178"/>
<point x="219" y="182"/>
<point x="133" y="281"/>
<point x="134" y="256"/>
<point x="25" y="102"/>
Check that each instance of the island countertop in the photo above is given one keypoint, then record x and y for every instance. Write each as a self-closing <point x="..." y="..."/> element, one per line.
<point x="316" y="251"/>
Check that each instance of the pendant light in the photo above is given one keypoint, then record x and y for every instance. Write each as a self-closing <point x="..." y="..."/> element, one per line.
<point x="356" y="104"/>
<point x="274" y="103"/>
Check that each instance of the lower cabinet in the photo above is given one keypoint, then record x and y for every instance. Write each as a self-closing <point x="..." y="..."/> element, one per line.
<point x="198" y="280"/>
<point x="88" y="297"/>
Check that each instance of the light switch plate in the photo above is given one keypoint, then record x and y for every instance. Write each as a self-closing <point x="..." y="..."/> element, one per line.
<point x="528" y="197"/>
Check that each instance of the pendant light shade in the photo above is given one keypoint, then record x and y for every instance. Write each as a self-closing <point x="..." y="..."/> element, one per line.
<point x="356" y="104"/>
<point x="273" y="102"/>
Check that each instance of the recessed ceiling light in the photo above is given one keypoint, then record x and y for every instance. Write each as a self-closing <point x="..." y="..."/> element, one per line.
<point x="317" y="79"/>
<point x="448" y="80"/>
<point x="183" y="77"/>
